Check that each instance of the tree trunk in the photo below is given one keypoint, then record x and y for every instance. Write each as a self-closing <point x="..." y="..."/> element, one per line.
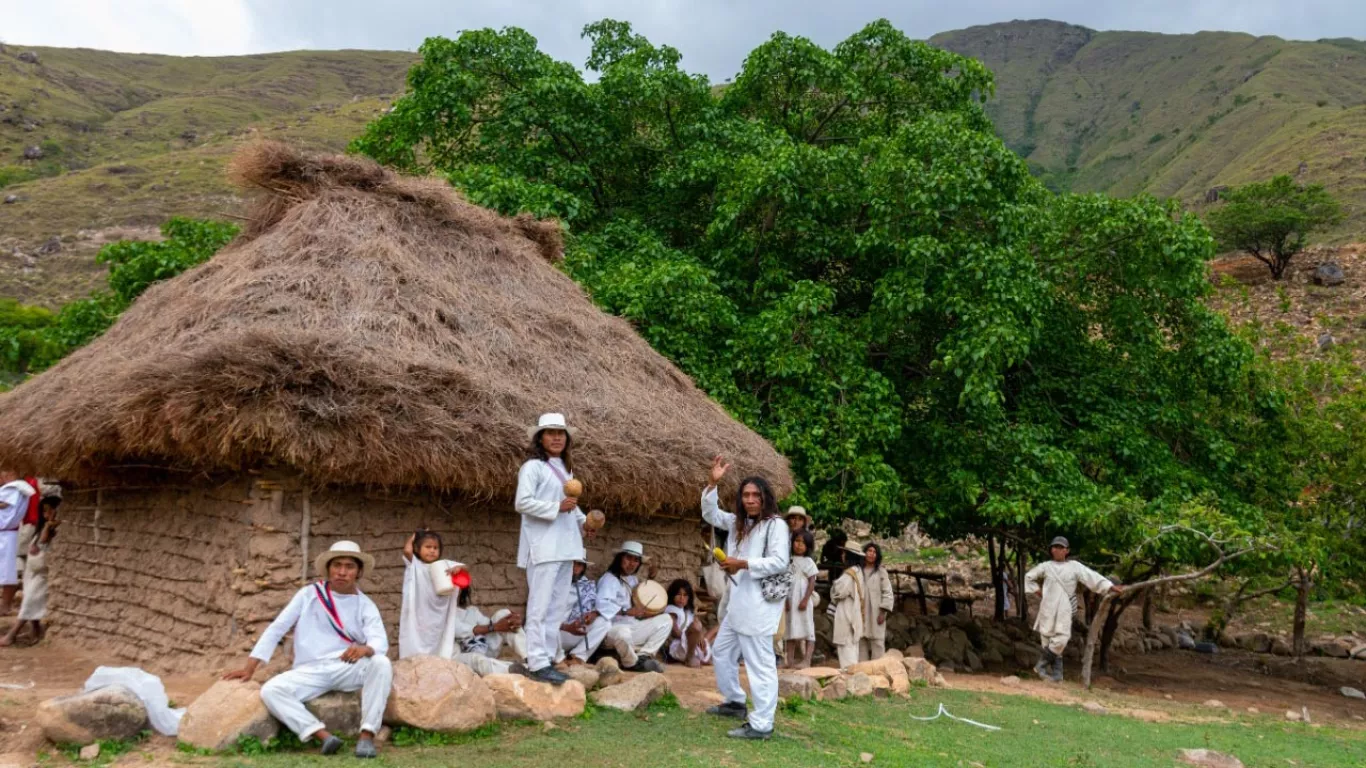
<point x="1302" y="585"/>
<point x="1107" y="630"/>
<point x="1148" y="609"/>
<point x="998" y="584"/>
<point x="1023" y="608"/>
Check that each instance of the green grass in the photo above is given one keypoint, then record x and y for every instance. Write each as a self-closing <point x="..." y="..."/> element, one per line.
<point x="817" y="734"/>
<point x="1323" y="617"/>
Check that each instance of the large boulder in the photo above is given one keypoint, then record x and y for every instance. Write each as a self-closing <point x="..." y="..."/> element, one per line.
<point x="920" y="670"/>
<point x="587" y="676"/>
<point x="1329" y="273"/>
<point x="951" y="644"/>
<point x="437" y="694"/>
<point x="113" y="712"/>
<point x="637" y="693"/>
<point x="1331" y="646"/>
<point x="892" y="668"/>
<point x="860" y="685"/>
<point x="521" y="698"/>
<point x="1026" y="654"/>
<point x="834" y="689"/>
<point x="609" y="672"/>
<point x="225" y="713"/>
<point x="800" y="686"/>
<point x="340" y="712"/>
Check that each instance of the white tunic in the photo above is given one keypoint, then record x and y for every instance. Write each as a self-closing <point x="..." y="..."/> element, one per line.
<point x="1059" y="584"/>
<point x="13" y="504"/>
<point x="767" y="549"/>
<point x="614" y="596"/>
<point x="314" y="638"/>
<point x="426" y="621"/>
<point x="548" y="536"/>
<point x="801" y="623"/>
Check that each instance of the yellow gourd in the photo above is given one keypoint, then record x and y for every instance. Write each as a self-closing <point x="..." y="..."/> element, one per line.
<point x="719" y="554"/>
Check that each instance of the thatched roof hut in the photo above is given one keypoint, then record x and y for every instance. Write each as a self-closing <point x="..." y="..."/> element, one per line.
<point x="366" y="331"/>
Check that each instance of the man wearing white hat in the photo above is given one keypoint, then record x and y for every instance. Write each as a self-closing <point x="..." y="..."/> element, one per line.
<point x="339" y="645"/>
<point x="635" y="635"/>
<point x="551" y="540"/>
<point x="1058" y="579"/>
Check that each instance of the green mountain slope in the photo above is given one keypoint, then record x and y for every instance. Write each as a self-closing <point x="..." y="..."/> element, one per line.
<point x="1175" y="115"/>
<point x="98" y="145"/>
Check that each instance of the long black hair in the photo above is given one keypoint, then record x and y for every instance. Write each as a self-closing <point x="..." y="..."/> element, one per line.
<point x="682" y="585"/>
<point x="806" y="538"/>
<point x="615" y="568"/>
<point x="876" y="563"/>
<point x="743" y="524"/>
<point x="422" y="535"/>
<point x="538" y="450"/>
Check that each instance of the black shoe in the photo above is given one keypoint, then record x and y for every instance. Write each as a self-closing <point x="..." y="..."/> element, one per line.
<point x="548" y="675"/>
<point x="1057" y="670"/>
<point x="645" y="664"/>
<point x="1044" y="668"/>
<point x="747" y="732"/>
<point x="332" y="745"/>
<point x="736" y="709"/>
<point x="365" y="748"/>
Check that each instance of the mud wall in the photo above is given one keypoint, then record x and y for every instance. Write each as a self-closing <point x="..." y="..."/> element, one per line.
<point x="182" y="576"/>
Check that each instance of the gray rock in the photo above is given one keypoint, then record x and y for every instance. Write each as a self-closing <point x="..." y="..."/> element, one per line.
<point x="9" y="199"/>
<point x="1352" y="693"/>
<point x="28" y="57"/>
<point x="1185" y="641"/>
<point x="107" y="713"/>
<point x="225" y="713"/>
<point x="1329" y="273"/>
<point x="1326" y="341"/>
<point x="90" y="751"/>
<point x="800" y="686"/>
<point x="1208" y="758"/>
<point x="33" y="153"/>
<point x="1094" y="707"/>
<point x="340" y="712"/>
<point x="637" y="693"/>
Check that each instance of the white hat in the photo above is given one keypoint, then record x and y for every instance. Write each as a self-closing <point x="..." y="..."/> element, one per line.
<point x="796" y="511"/>
<point x="343" y="549"/>
<point x="631" y="548"/>
<point x="550" y="421"/>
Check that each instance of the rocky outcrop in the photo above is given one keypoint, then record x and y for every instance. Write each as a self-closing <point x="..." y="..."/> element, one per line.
<point x="107" y="713"/>
<point x="438" y="694"/>
<point x="228" y="711"/>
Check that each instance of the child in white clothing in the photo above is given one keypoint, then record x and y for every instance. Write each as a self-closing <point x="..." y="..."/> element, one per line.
<point x="688" y="640"/>
<point x="801" y="602"/>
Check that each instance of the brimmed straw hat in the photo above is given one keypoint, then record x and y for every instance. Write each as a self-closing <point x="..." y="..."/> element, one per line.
<point x="343" y="549"/>
<point x="631" y="548"/>
<point x="550" y="421"/>
<point x="860" y="551"/>
<point x="796" y="511"/>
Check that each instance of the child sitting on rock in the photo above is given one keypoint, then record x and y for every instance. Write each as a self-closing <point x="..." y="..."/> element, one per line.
<point x="688" y="642"/>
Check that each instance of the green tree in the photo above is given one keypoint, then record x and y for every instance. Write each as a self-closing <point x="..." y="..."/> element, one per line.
<point x="839" y="249"/>
<point x="1272" y="220"/>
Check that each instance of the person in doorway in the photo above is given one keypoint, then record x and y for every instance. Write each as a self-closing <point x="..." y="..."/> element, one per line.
<point x="482" y="638"/>
<point x="551" y="540"/>
<point x="801" y="603"/>
<point x="635" y="635"/>
<point x="15" y="494"/>
<point x="757" y="546"/>
<point x="878" y="585"/>
<point x="583" y="632"/>
<point x="33" y="608"/>
<point x="688" y="642"/>
<point x="339" y="645"/>
<point x="848" y="598"/>
<point x="1057" y="579"/>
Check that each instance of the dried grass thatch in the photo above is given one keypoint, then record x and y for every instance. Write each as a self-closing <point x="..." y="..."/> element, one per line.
<point x="373" y="329"/>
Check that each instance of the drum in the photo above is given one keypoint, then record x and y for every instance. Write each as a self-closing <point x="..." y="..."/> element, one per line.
<point x="439" y="572"/>
<point x="652" y="596"/>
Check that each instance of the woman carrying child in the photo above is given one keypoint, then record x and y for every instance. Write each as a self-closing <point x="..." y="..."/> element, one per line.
<point x="689" y="644"/>
<point x="801" y="602"/>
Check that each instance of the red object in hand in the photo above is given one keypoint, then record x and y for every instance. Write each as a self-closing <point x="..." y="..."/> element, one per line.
<point x="461" y="578"/>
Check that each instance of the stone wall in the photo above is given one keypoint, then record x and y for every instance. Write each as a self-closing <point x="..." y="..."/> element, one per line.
<point x="187" y="575"/>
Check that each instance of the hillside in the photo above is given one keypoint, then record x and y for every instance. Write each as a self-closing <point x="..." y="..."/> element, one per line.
<point x="1175" y="115"/>
<point x="116" y="143"/>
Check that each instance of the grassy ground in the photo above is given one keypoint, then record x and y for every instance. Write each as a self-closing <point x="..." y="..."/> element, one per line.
<point x="1033" y="734"/>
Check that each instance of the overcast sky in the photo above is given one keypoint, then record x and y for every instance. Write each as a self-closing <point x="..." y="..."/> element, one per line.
<point x="714" y="35"/>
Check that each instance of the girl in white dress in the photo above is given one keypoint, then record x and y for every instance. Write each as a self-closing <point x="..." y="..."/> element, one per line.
<point x="801" y="602"/>
<point x="688" y="640"/>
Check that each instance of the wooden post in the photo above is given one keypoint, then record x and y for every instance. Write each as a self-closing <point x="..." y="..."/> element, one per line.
<point x="305" y="527"/>
<point x="920" y="594"/>
<point x="99" y="502"/>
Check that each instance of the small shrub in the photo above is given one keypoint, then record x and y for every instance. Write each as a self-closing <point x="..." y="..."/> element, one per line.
<point x="1156" y="137"/>
<point x="792" y="705"/>
<point x="405" y="736"/>
<point x="1282" y="299"/>
<point x="1322" y="102"/>
<point x="666" y="703"/>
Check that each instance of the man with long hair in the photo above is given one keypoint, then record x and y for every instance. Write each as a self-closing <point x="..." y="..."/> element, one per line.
<point x="635" y="635"/>
<point x="757" y="546"/>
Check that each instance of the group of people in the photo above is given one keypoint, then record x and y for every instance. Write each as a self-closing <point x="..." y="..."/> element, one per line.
<point x="28" y="523"/>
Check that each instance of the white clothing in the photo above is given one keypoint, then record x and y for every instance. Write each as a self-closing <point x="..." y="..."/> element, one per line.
<point x="13" y="506"/>
<point x="27" y="535"/>
<point x="877" y="589"/>
<point x="426" y="620"/>
<point x="582" y="647"/>
<point x="678" y="646"/>
<point x="631" y="637"/>
<point x="615" y="595"/>
<point x="872" y="648"/>
<point x="1058" y="603"/>
<point x="848" y="654"/>
<point x="34" y="605"/>
<point x="767" y="549"/>
<point x="548" y="535"/>
<point x="801" y="623"/>
<point x="549" y="592"/>
<point x="285" y="694"/>
<point x="760" y="667"/>
<point x="489" y="644"/>
<point x="314" y="638"/>
<point x="847" y="598"/>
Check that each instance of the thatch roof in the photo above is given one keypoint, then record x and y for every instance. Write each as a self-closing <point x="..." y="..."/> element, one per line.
<point x="372" y="329"/>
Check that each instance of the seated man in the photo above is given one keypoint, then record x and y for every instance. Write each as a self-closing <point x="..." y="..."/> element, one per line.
<point x="585" y="628"/>
<point x="481" y="638"/>
<point x="339" y="645"/>
<point x="635" y="635"/>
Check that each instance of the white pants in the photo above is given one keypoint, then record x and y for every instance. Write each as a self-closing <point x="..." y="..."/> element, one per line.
<point x="547" y="604"/>
<point x="1056" y="643"/>
<point x="848" y="654"/>
<point x="582" y="647"/>
<point x="487" y="663"/>
<point x="760" y="666"/>
<point x="872" y="649"/>
<point x="630" y="637"/>
<point x="285" y="694"/>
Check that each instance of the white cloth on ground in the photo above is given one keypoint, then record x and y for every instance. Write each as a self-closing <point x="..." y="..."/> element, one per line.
<point x="678" y="646"/>
<point x="149" y="691"/>
<point x="426" y="620"/>
<point x="13" y="506"/>
<point x="767" y="549"/>
<point x="801" y="623"/>
<point x="314" y="638"/>
<point x="285" y="694"/>
<point x="34" y="605"/>
<point x="549" y="591"/>
<point x="582" y="647"/>
<point x="1058" y="603"/>
<point x="547" y="535"/>
<point x="760" y="667"/>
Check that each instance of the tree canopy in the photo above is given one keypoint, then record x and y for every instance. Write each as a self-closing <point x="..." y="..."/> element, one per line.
<point x="1272" y="220"/>
<point x="839" y="250"/>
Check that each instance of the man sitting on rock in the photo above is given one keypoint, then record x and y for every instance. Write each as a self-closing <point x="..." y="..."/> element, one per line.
<point x="339" y="645"/>
<point x="1059" y="579"/>
<point x="585" y="628"/>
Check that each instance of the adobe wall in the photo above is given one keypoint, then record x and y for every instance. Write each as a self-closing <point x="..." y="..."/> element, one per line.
<point x="187" y="576"/>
